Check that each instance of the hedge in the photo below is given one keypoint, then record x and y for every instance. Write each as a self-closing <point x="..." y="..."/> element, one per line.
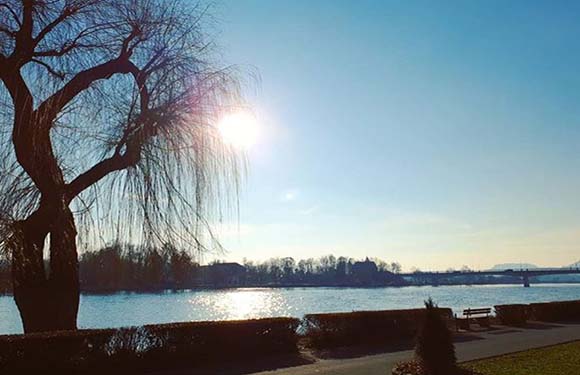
<point x="556" y="311"/>
<point x="364" y="327"/>
<point x="162" y="346"/>
<point x="512" y="315"/>
<point x="158" y="346"/>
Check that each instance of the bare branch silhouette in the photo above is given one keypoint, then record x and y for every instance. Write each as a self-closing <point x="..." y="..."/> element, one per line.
<point x="107" y="125"/>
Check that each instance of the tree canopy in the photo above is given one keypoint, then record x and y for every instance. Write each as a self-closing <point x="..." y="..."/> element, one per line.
<point x="107" y="120"/>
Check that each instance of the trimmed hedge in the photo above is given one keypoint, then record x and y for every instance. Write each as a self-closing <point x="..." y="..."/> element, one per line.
<point x="556" y="311"/>
<point x="512" y="315"/>
<point x="187" y="345"/>
<point x="158" y="346"/>
<point x="364" y="327"/>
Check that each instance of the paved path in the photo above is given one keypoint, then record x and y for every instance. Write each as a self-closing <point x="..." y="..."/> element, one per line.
<point x="484" y="344"/>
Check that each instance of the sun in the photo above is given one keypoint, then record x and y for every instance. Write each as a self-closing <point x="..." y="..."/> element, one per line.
<point x="239" y="129"/>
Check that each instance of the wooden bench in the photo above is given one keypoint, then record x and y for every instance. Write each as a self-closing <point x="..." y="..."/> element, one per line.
<point x="480" y="316"/>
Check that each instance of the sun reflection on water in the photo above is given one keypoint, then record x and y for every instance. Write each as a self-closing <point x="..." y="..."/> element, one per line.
<point x="244" y="304"/>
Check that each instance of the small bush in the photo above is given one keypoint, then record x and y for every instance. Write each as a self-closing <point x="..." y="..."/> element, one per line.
<point x="409" y="368"/>
<point x="435" y="350"/>
<point x="128" y="345"/>
<point x="364" y="327"/>
<point x="512" y="315"/>
<point x="556" y="311"/>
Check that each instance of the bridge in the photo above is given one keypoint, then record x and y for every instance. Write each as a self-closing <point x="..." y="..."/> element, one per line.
<point x="522" y="273"/>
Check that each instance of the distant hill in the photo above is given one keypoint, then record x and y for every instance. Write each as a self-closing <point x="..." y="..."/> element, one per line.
<point x="513" y="266"/>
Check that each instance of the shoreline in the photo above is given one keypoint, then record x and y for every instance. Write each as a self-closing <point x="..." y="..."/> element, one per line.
<point x="295" y="286"/>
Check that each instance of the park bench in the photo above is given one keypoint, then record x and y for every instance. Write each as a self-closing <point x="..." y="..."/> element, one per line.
<point x="481" y="316"/>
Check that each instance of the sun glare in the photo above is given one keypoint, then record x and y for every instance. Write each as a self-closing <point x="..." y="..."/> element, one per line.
<point x="239" y="129"/>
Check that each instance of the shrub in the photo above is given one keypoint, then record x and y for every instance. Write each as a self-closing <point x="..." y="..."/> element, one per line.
<point x="435" y="350"/>
<point x="556" y="311"/>
<point x="512" y="315"/>
<point x="409" y="368"/>
<point x="157" y="346"/>
<point x="364" y="327"/>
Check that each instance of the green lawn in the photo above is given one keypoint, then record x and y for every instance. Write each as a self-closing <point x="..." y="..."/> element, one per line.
<point x="561" y="360"/>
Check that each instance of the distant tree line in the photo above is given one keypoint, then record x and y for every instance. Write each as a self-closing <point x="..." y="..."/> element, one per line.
<point x="326" y="270"/>
<point x="126" y="267"/>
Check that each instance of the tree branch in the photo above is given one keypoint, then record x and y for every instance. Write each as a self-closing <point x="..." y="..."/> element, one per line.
<point x="60" y="52"/>
<point x="67" y="46"/>
<point x="24" y="45"/>
<point x="132" y="140"/>
<point x="55" y="103"/>
<point x="12" y="12"/>
<point x="66" y="12"/>
<point x="8" y="32"/>
<point x="94" y="174"/>
<point x="49" y="69"/>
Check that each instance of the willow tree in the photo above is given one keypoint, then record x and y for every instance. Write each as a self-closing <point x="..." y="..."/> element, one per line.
<point x="107" y="131"/>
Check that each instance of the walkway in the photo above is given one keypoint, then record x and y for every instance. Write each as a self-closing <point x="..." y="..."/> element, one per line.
<point x="502" y="340"/>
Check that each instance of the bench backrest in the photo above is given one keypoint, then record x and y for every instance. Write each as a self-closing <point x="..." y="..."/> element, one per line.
<point x="481" y="311"/>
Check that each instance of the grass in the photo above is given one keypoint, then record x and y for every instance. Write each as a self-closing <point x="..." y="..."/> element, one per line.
<point x="559" y="359"/>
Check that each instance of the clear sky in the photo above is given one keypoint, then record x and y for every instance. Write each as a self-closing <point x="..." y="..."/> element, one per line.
<point x="435" y="134"/>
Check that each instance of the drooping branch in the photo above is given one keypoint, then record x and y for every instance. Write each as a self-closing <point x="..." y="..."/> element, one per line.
<point x="94" y="174"/>
<point x="140" y="94"/>
<point x="99" y="121"/>
<point x="130" y="141"/>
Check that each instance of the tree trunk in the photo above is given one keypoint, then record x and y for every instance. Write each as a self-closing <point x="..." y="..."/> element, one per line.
<point x="47" y="300"/>
<point x="64" y="271"/>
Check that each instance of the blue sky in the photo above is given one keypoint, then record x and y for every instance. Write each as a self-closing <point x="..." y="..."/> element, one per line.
<point x="435" y="134"/>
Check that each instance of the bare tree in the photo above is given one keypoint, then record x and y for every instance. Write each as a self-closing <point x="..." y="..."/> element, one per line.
<point x="107" y="129"/>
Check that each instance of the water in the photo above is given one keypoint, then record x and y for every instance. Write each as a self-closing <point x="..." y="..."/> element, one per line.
<point x="125" y="309"/>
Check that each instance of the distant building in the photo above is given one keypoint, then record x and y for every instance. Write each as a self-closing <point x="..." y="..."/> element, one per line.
<point x="365" y="272"/>
<point x="223" y="274"/>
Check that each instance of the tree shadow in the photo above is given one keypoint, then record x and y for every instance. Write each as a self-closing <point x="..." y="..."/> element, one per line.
<point x="505" y="331"/>
<point x="365" y="350"/>
<point x="466" y="337"/>
<point x="346" y="352"/>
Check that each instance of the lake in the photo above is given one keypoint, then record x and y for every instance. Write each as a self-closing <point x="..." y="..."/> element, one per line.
<point x="126" y="309"/>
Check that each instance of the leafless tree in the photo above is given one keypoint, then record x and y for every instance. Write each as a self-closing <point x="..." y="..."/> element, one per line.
<point x="107" y="129"/>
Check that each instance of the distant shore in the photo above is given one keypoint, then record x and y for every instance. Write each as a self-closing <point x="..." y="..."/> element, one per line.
<point x="287" y="286"/>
